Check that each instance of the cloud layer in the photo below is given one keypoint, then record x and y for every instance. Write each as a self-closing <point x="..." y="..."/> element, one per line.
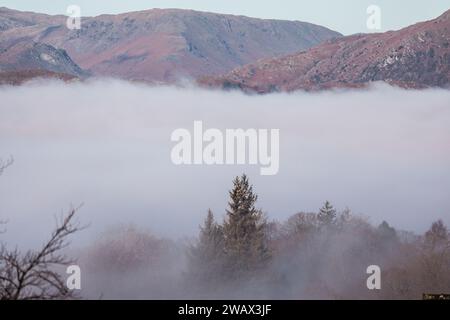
<point x="383" y="152"/>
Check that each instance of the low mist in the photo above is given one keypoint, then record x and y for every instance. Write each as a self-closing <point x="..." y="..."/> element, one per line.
<point x="383" y="152"/>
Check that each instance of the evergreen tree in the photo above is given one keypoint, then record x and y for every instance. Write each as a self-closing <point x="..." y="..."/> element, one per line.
<point x="327" y="215"/>
<point x="206" y="258"/>
<point x="211" y="237"/>
<point x="387" y="232"/>
<point x="245" y="231"/>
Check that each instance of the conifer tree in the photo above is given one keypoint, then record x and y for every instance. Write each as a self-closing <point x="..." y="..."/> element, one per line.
<point x="206" y="258"/>
<point x="211" y="237"/>
<point x="387" y="232"/>
<point x="327" y="215"/>
<point x="245" y="231"/>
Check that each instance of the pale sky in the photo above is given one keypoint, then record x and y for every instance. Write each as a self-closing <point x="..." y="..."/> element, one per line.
<point x="345" y="16"/>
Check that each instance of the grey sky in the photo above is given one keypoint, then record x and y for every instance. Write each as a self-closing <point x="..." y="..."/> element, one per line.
<point x="345" y="16"/>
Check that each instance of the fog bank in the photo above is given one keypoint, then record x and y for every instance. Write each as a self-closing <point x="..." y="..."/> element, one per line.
<point x="383" y="152"/>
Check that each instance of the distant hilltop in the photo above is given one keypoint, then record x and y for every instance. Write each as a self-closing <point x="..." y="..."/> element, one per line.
<point x="159" y="45"/>
<point x="414" y="57"/>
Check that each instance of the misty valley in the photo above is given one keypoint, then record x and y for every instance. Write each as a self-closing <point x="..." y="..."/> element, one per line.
<point x="358" y="208"/>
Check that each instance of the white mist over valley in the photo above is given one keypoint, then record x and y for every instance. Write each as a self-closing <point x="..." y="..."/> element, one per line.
<point x="383" y="152"/>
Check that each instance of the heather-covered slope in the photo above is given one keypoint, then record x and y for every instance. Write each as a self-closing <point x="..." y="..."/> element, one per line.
<point x="415" y="57"/>
<point x="163" y="45"/>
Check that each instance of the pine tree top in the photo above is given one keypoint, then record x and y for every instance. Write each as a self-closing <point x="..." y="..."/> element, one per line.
<point x="242" y="198"/>
<point x="327" y="214"/>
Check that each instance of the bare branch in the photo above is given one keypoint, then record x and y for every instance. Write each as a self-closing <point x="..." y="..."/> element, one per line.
<point x="5" y="163"/>
<point x="33" y="275"/>
<point x="3" y="166"/>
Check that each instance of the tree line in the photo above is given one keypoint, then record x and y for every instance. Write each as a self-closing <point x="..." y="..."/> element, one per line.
<point x="315" y="254"/>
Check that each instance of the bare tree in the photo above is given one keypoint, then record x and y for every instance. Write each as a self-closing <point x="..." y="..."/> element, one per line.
<point x="3" y="166"/>
<point x="435" y="256"/>
<point x="33" y="275"/>
<point x="5" y="163"/>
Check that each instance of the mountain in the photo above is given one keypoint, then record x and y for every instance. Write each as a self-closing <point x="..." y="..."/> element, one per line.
<point x="27" y="55"/>
<point x="162" y="45"/>
<point x="414" y="57"/>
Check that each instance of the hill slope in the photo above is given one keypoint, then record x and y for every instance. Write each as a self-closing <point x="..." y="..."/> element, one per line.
<point x="417" y="56"/>
<point x="163" y="44"/>
<point x="25" y="55"/>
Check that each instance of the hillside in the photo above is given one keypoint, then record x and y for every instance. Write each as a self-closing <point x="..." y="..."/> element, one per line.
<point x="414" y="57"/>
<point x="162" y="45"/>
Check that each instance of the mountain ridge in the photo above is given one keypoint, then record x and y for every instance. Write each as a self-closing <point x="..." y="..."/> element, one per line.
<point x="417" y="56"/>
<point x="163" y="45"/>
